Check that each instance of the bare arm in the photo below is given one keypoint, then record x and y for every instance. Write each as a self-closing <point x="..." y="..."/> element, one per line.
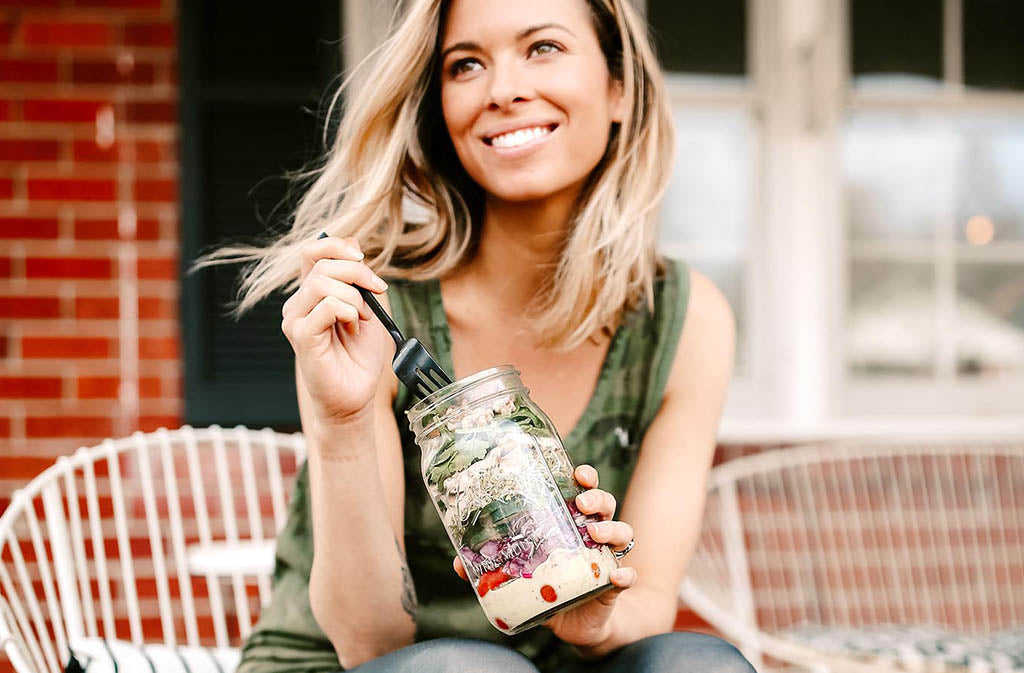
<point x="360" y="590"/>
<point x="665" y="499"/>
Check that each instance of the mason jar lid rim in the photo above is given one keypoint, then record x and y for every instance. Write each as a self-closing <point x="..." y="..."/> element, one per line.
<point x="416" y="411"/>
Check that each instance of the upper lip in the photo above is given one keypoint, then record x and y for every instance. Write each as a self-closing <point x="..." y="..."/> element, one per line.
<point x="516" y="126"/>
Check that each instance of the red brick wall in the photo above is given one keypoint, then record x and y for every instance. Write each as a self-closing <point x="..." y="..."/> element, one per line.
<point x="88" y="130"/>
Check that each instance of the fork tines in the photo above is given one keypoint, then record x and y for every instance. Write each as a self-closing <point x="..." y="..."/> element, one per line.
<point x="431" y="380"/>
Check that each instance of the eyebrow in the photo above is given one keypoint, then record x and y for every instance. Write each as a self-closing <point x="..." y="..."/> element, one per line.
<point x="473" y="46"/>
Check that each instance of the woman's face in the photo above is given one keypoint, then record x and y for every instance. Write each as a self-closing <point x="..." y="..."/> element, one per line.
<point x="526" y="94"/>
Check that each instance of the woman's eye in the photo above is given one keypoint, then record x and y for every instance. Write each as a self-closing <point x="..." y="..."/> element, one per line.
<point x="545" y="48"/>
<point x="462" y="65"/>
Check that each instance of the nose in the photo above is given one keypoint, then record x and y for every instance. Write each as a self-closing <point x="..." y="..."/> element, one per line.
<point x="509" y="85"/>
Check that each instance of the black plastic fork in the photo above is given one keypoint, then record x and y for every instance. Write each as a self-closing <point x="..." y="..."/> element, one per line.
<point x="413" y="365"/>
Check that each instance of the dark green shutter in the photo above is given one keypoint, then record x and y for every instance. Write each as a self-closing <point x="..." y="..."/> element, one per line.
<point x="253" y="82"/>
<point x="696" y="36"/>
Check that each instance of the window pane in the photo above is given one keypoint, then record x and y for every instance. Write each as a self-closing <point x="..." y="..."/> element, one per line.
<point x="706" y="211"/>
<point x="698" y="36"/>
<point x="895" y="165"/>
<point x="990" y="319"/>
<point x="903" y="38"/>
<point x="891" y="323"/>
<point x="710" y="193"/>
<point x="993" y="46"/>
<point x="991" y="204"/>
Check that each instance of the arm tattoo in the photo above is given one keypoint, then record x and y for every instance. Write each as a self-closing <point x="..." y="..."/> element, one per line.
<point x="408" y="589"/>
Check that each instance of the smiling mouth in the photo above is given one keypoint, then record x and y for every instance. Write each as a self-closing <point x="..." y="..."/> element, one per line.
<point x="520" y="137"/>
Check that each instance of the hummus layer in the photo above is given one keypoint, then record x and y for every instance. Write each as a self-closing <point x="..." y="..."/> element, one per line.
<point x="564" y="575"/>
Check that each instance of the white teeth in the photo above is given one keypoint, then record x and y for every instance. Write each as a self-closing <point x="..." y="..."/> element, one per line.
<point x="521" y="137"/>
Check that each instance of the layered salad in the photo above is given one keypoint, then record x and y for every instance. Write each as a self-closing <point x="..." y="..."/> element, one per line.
<point x="504" y="488"/>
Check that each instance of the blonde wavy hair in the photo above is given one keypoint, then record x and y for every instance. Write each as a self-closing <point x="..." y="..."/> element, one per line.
<point x="392" y="147"/>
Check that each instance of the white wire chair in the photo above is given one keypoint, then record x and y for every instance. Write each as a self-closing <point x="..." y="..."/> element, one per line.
<point x="138" y="538"/>
<point x="854" y="536"/>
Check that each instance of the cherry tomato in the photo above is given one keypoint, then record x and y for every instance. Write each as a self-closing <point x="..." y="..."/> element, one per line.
<point x="491" y="580"/>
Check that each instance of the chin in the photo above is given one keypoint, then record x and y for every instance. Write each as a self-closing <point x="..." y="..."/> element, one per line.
<point x="531" y="190"/>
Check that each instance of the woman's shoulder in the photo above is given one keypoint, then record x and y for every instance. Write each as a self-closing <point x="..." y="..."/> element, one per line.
<point x="707" y="334"/>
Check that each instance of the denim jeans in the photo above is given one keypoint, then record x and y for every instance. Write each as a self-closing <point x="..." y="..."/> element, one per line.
<point x="677" y="652"/>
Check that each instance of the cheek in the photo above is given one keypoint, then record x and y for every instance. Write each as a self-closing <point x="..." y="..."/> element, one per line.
<point x="447" y="109"/>
<point x="586" y="105"/>
<point x="458" y="119"/>
<point x="457" y="108"/>
<point x="589" y="121"/>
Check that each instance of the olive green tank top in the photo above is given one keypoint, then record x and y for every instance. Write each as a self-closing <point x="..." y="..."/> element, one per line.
<point x="608" y="435"/>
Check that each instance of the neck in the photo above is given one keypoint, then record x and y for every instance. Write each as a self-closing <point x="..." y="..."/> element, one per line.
<point x="520" y="244"/>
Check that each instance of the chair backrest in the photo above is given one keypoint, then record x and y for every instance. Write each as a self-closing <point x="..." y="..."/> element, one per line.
<point x="98" y="544"/>
<point x="856" y="533"/>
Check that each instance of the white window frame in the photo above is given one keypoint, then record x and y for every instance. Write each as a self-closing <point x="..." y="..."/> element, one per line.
<point x="798" y="387"/>
<point x="786" y="387"/>
<point x="944" y="393"/>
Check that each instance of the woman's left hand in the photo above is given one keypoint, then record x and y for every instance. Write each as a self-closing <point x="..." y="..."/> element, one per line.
<point x="589" y="624"/>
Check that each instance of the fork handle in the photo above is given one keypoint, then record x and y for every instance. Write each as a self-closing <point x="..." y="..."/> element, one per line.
<point x="379" y="311"/>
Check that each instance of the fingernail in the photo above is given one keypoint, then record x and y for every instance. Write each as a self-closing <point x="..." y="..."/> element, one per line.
<point x="583" y="501"/>
<point x="357" y="253"/>
<point x="380" y="283"/>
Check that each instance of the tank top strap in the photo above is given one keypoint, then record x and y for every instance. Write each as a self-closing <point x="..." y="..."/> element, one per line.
<point x="644" y="347"/>
<point x="663" y="334"/>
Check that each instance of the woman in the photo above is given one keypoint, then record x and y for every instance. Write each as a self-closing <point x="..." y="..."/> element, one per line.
<point x="537" y="141"/>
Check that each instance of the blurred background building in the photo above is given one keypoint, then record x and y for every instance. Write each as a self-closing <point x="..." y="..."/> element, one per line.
<point x="850" y="172"/>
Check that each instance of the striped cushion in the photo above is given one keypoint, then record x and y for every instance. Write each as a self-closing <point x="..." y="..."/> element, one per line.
<point x="919" y="648"/>
<point x="97" y="655"/>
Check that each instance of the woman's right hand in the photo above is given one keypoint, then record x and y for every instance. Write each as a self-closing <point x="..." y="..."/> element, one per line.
<point x="340" y="346"/>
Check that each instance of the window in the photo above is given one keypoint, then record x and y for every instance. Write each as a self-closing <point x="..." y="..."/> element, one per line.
<point x="709" y="211"/>
<point x="252" y="79"/>
<point x="848" y="173"/>
<point x="932" y="156"/>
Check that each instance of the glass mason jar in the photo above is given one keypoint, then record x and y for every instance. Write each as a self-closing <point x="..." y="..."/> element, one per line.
<point x="503" y="485"/>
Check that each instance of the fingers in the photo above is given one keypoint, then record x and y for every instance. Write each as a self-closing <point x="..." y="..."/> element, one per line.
<point x="348" y="271"/>
<point x="319" y="284"/>
<point x="329" y="311"/>
<point x="614" y="533"/>
<point x="596" y="501"/>
<point x="586" y="476"/>
<point x="328" y="290"/>
<point x="622" y="579"/>
<point x="335" y="258"/>
<point x="330" y="247"/>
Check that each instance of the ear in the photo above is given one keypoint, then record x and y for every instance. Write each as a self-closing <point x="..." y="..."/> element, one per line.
<point x="617" y="100"/>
